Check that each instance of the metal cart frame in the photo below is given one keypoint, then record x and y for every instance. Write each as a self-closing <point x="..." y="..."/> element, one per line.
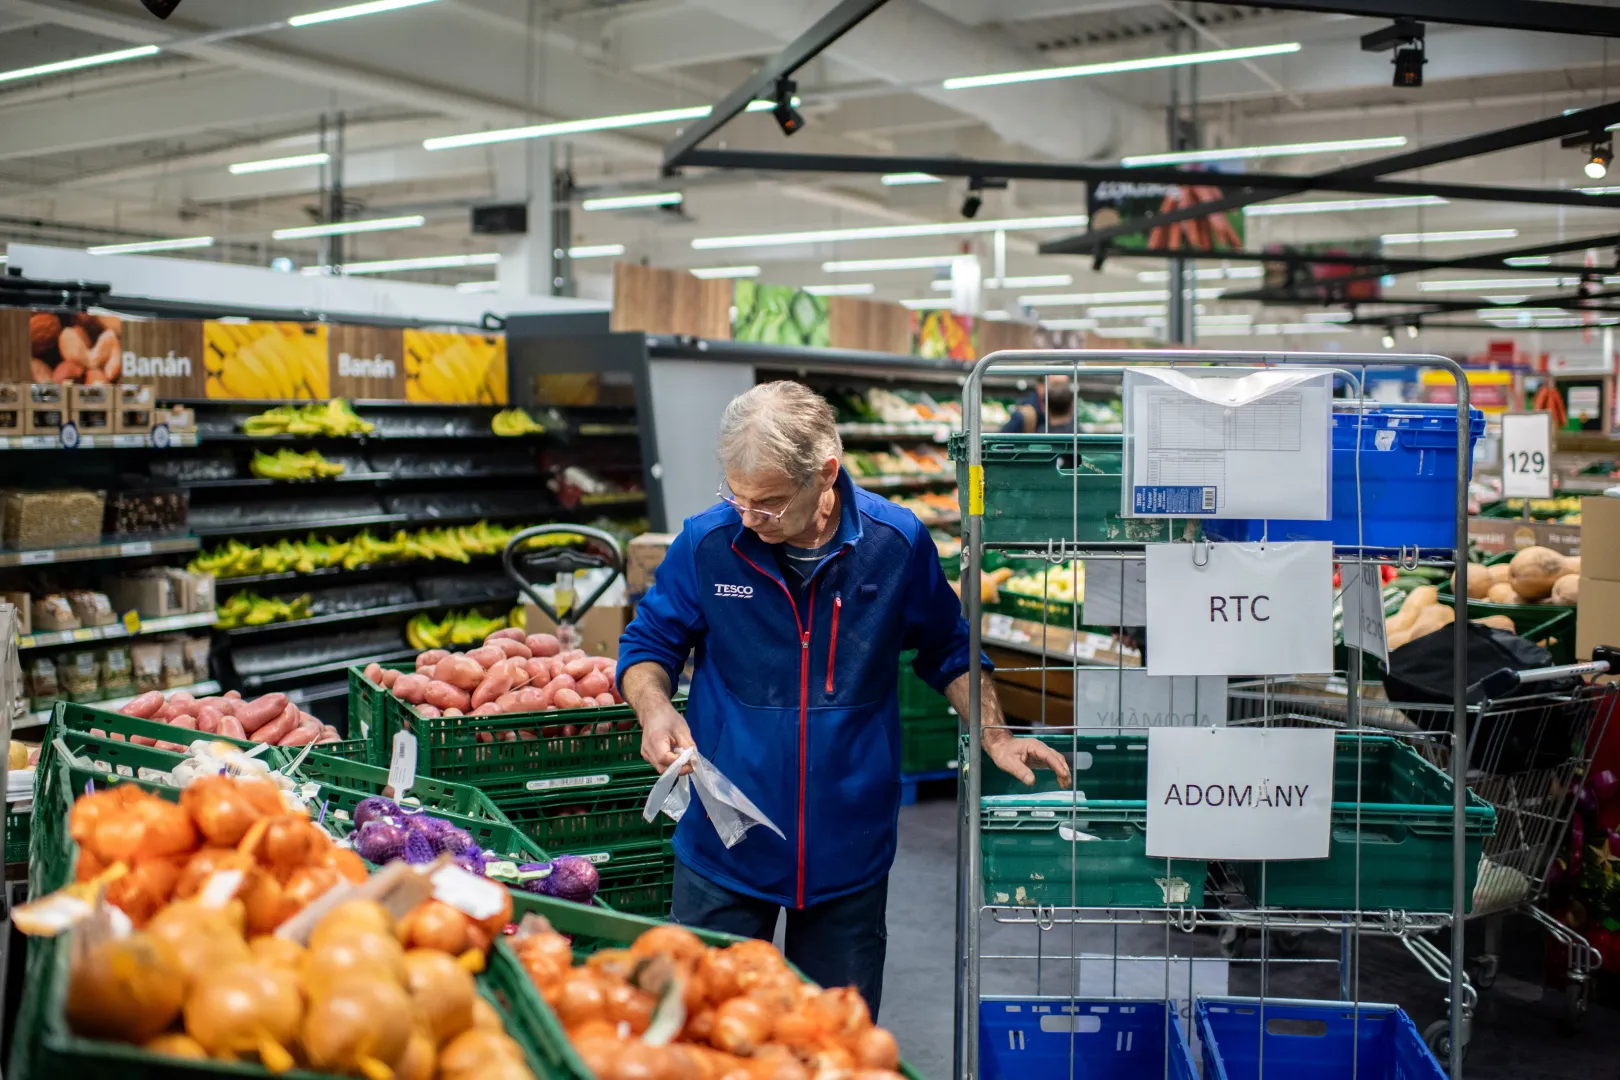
<point x="970" y="907"/>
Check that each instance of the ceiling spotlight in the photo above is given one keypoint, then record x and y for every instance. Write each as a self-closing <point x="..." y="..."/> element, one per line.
<point x="787" y="117"/>
<point x="974" y="199"/>
<point x="1597" y="166"/>
<point x="1412" y="330"/>
<point x="1389" y="340"/>
<point x="1405" y="37"/>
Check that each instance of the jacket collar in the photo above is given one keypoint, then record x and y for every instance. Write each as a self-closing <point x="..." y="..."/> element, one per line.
<point x="748" y="544"/>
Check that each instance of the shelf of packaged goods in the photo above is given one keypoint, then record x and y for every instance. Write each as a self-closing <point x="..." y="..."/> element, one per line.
<point x="133" y="441"/>
<point x="922" y="480"/>
<point x="921" y="429"/>
<point x="43" y="716"/>
<point x="373" y="437"/>
<point x="267" y="528"/>
<point x="110" y="549"/>
<point x="253" y="682"/>
<point x="321" y="576"/>
<point x="131" y="627"/>
<point x="264" y="481"/>
<point x="360" y="614"/>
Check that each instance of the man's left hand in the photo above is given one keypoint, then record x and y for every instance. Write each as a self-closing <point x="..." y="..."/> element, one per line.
<point x="1019" y="757"/>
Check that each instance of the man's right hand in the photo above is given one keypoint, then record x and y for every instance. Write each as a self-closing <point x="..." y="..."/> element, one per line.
<point x="664" y="735"/>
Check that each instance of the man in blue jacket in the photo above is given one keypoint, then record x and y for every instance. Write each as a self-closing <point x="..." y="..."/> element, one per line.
<point x="798" y="592"/>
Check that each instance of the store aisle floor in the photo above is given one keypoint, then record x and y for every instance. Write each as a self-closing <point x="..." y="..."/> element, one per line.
<point x="1517" y="1033"/>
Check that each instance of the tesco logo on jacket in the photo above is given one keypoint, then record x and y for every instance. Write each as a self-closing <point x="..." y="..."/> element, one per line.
<point x="744" y="591"/>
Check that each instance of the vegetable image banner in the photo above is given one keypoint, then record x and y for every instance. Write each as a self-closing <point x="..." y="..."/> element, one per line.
<point x="1323" y="279"/>
<point x="1113" y="202"/>
<point x="943" y="335"/>
<point x="446" y="366"/>
<point x="266" y="361"/>
<point x="779" y="315"/>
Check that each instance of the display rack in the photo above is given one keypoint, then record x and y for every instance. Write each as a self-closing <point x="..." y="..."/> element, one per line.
<point x="1084" y="926"/>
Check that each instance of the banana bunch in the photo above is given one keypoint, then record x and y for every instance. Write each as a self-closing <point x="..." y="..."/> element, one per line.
<point x="290" y="465"/>
<point x="515" y="422"/>
<point x="250" y="609"/>
<point x="450" y="367"/>
<point x="457" y="543"/>
<point x="260" y="360"/>
<point x="336" y="417"/>
<point x="456" y="628"/>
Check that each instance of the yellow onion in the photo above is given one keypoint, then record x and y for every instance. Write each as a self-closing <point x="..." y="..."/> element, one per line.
<point x="129" y="989"/>
<point x="244" y="1010"/>
<point x="368" y="953"/>
<point x="279" y="952"/>
<point x="474" y="1054"/>
<point x="361" y="1024"/>
<point x="443" y="992"/>
<point x="419" y="1059"/>
<point x="181" y="1046"/>
<point x="349" y="917"/>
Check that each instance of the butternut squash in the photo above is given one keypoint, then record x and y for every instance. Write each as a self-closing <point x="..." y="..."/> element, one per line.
<point x="1534" y="571"/>
<point x="1566" y="590"/>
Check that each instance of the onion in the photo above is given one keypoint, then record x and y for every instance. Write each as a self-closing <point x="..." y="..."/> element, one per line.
<point x="372" y="807"/>
<point x="1604" y="785"/>
<point x="570" y="877"/>
<point x="380" y="842"/>
<point x="875" y="1048"/>
<point x="362" y="1025"/>
<point x="371" y="953"/>
<point x="269" y="950"/>
<point x="349" y="866"/>
<point x="676" y="942"/>
<point x="180" y="1046"/>
<point x="309" y="883"/>
<point x="289" y="843"/>
<point x="352" y="916"/>
<point x="203" y="939"/>
<point x="419" y="1059"/>
<point x="128" y="989"/>
<point x="221" y="808"/>
<point x="203" y="865"/>
<point x="146" y="888"/>
<point x="474" y="1054"/>
<point x="485" y="1018"/>
<point x="418" y="848"/>
<point x="442" y="991"/>
<point x="436" y="925"/>
<point x="246" y="1009"/>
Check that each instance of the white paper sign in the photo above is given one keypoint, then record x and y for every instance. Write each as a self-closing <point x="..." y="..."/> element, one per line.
<point x="1527" y="455"/>
<point x="402" y="765"/>
<point x="1240" y="609"/>
<point x="1116" y="593"/>
<point x="1122" y="698"/>
<point x="1203" y="444"/>
<point x="1239" y="793"/>
<point x="1362" y="596"/>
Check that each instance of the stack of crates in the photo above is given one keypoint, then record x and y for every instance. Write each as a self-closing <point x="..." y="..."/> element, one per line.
<point x="572" y="782"/>
<point x="927" y="730"/>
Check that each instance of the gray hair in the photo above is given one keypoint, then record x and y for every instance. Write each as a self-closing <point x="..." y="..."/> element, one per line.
<point x="779" y="425"/>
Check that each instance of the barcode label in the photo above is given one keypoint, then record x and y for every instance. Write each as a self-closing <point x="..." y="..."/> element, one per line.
<point x="1209" y="500"/>
<point x="138" y="547"/>
<point x="556" y="782"/>
<point x="597" y="857"/>
<point x="1174" y="500"/>
<point x="34" y="558"/>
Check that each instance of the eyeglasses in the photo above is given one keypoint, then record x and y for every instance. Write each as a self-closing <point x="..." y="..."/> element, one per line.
<point x="726" y="496"/>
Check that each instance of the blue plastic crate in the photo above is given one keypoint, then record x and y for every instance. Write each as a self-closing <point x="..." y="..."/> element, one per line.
<point x="1057" y="1038"/>
<point x="1408" y="482"/>
<point x="1316" y="1039"/>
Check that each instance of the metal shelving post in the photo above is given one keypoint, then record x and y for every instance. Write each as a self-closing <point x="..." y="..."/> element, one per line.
<point x="1405" y="925"/>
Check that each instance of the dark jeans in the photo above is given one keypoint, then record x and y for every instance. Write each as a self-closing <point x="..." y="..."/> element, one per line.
<point x="838" y="943"/>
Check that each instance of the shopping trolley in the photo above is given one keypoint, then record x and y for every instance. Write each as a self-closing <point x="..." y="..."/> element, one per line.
<point x="1528" y="755"/>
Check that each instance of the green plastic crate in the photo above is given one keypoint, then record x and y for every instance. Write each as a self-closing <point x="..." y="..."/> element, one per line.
<point x="918" y="700"/>
<point x="1550" y="625"/>
<point x="589" y="929"/>
<point x="1091" y="855"/>
<point x="1405" y="833"/>
<point x="605" y="817"/>
<point x="1036" y="489"/>
<point x="18" y="825"/>
<point x="641" y="884"/>
<point x="928" y="745"/>
<point x="83" y="718"/>
<point x="336" y="808"/>
<point x="434" y="795"/>
<point x="367" y="712"/>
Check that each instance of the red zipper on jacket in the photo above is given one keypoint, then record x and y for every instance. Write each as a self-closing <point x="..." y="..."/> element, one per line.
<point x="832" y="649"/>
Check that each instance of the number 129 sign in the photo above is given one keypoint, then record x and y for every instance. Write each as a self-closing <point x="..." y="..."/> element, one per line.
<point x="1527" y="455"/>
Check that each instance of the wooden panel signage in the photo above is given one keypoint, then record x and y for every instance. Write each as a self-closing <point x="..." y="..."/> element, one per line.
<point x="14" y="349"/>
<point x="869" y="325"/>
<point x="267" y="361"/>
<point x="670" y="302"/>
<point x="166" y="354"/>
<point x="368" y="362"/>
<point x="454" y="367"/>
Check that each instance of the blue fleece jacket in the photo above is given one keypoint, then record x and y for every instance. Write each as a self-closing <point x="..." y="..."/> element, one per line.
<point x="797" y="703"/>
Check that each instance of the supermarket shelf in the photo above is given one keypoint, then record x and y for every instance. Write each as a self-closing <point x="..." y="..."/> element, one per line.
<point x="261" y="481"/>
<point x="300" y="526"/>
<point x="611" y="498"/>
<point x="606" y="429"/>
<point x="362" y="614"/>
<point x="374" y="437"/>
<point x="253" y="682"/>
<point x="875" y="483"/>
<point x="327" y="572"/>
<point x="127" y="549"/>
<point x="37" y="719"/>
<point x="161" y="625"/>
<point x="139" y="441"/>
<point x="920" y="430"/>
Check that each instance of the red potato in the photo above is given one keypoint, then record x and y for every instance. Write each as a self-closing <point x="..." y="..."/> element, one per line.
<point x="495" y="684"/>
<point x="328" y="734"/>
<point x="429" y="658"/>
<point x="142" y="740"/>
<point x="539" y="671"/>
<point x="487" y="655"/>
<point x="527" y="734"/>
<point x="235" y="695"/>
<point x="432" y="712"/>
<point x="507" y="736"/>
<point x="442" y="695"/>
<point x="373" y="672"/>
<point x="277" y="729"/>
<point x="412" y="688"/>
<point x="604" y="699"/>
<point x="572" y="654"/>
<point x="208" y="718"/>
<point x="225" y="705"/>
<point x="486" y="709"/>
<point x="459" y="671"/>
<point x="510" y="633"/>
<point x="567" y="698"/>
<point x="390" y="677"/>
<point x="187" y="723"/>
<point x="261" y="711"/>
<point x="512" y="648"/>
<point x="602" y="663"/>
<point x="507" y="702"/>
<point x="302" y="735"/>
<point x="578" y="669"/>
<point x="171" y="747"/>
<point x="529" y="699"/>
<point x="231" y="728"/>
<point x="145" y="705"/>
<point x="454" y="712"/>
<point x="561" y="682"/>
<point x="625" y="725"/>
<point x="543" y="644"/>
<point x="595" y="685"/>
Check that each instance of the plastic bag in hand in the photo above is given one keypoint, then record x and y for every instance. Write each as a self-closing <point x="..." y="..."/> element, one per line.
<point x="732" y="812"/>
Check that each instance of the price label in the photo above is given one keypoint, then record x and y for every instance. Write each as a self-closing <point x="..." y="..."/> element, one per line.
<point x="556" y="782"/>
<point x="468" y="893"/>
<point x="137" y="547"/>
<point x="1527" y="455"/>
<point x="132" y="621"/>
<point x="35" y="558"/>
<point x="402" y="767"/>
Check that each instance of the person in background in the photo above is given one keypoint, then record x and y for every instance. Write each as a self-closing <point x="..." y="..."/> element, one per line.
<point x="798" y="591"/>
<point x="1042" y="413"/>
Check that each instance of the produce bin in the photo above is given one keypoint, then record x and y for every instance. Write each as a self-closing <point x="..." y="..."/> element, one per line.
<point x="85" y="718"/>
<point x="334" y="806"/>
<point x="1551" y="626"/>
<point x="18" y="825"/>
<point x="1405" y="830"/>
<point x="928" y="745"/>
<point x="1327" y="1040"/>
<point x="602" y="817"/>
<point x="367" y="715"/>
<point x="1056" y="1038"/>
<point x="1088" y="852"/>
<point x="1057" y="488"/>
<point x="641" y="883"/>
<point x="434" y="795"/>
<point x="590" y="929"/>
<point x="1408" y="472"/>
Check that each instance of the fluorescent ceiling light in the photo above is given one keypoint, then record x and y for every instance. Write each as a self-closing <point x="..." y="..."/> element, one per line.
<point x="1068" y="299"/>
<point x="297" y="161"/>
<point x="1518" y="298"/>
<point x="996" y="316"/>
<point x="392" y="266"/>
<point x="595" y="251"/>
<point x="575" y="127"/>
<point x="1225" y="320"/>
<point x="376" y="7"/>
<point x="1115" y="66"/>
<point x="1478" y="284"/>
<point x="1246" y="153"/>
<point x="852" y="289"/>
<point x="152" y="245"/>
<point x="1033" y="281"/>
<point x="1126" y="311"/>
<point x="1391" y="239"/>
<point x="478" y="286"/>
<point x="712" y="272"/>
<point x="1129" y="331"/>
<point x="82" y="62"/>
<point x="1529" y="260"/>
<point x="889" y="232"/>
<point x="1327" y="316"/>
<point x="1610" y="190"/>
<point x="1516" y="313"/>
<point x="861" y="266"/>
<point x="1298" y="328"/>
<point x="345" y="228"/>
<point x="928" y="303"/>
<point x="1331" y="206"/>
<point x="632" y="202"/>
<point x="907" y="179"/>
<point x="1068" y="324"/>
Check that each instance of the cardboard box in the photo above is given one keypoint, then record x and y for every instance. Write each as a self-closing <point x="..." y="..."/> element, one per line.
<point x="12" y="396"/>
<point x="178" y="418"/>
<point x="599" y="631"/>
<point x="641" y="561"/>
<point x="132" y="408"/>
<point x="1600" y="525"/>
<point x="1597" y="619"/>
<point x="135" y="395"/>
<point x="45" y="410"/>
<point x="25" y="614"/>
<point x="152" y="594"/>
<point x="1495" y="535"/>
<point x="91" y="408"/>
